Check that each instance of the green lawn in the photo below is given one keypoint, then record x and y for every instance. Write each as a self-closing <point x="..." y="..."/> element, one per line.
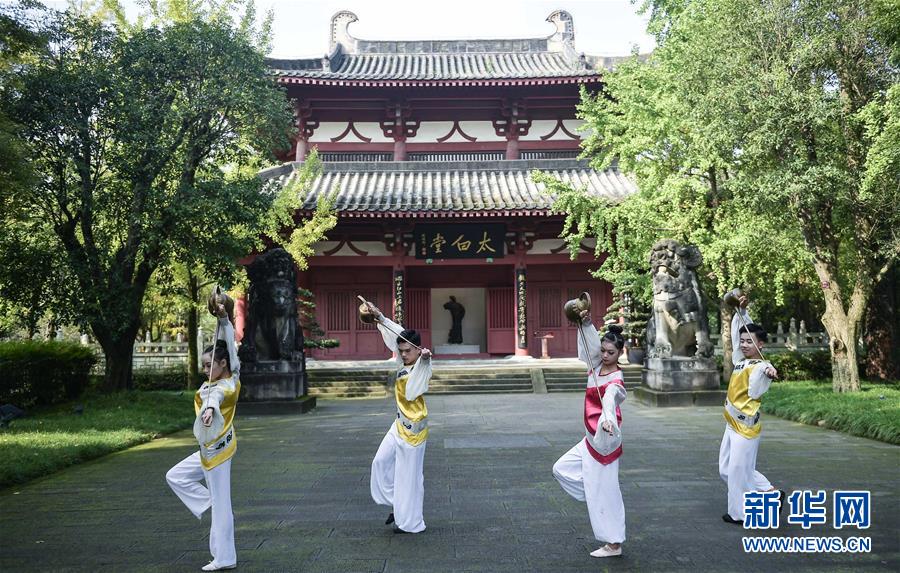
<point x="55" y="437"/>
<point x="874" y="412"/>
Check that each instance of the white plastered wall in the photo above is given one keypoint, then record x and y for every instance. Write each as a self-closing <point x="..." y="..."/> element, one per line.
<point x="431" y="131"/>
<point x="474" y="324"/>
<point x="541" y="127"/>
<point x="329" y="129"/>
<point x="372" y="248"/>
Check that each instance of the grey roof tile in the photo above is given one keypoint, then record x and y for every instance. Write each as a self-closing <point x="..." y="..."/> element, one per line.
<point x="437" y="67"/>
<point x="446" y="189"/>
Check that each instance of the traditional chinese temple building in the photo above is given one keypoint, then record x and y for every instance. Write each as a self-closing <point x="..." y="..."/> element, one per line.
<point x="430" y="146"/>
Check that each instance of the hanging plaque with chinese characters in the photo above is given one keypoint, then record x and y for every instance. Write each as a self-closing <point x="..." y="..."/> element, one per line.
<point x="460" y="241"/>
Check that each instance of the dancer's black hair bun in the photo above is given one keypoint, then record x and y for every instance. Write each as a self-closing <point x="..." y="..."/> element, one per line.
<point x="614" y="328"/>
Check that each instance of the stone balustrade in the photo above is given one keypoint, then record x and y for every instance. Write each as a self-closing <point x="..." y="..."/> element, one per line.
<point x="796" y="339"/>
<point x="149" y="354"/>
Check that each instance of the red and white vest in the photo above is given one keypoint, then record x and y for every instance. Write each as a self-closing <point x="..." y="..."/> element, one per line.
<point x="593" y="408"/>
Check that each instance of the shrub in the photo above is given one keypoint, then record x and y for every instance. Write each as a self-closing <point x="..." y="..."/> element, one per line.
<point x="321" y="343"/>
<point x="166" y="378"/>
<point x="802" y="365"/>
<point x="37" y="372"/>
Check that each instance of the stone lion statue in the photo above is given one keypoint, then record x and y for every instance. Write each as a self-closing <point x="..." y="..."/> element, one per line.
<point x="272" y="330"/>
<point x="678" y="325"/>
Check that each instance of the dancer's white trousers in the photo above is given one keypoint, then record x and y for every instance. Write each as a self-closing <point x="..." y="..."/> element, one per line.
<point x="397" y="480"/>
<point x="586" y="479"/>
<point x="184" y="479"/>
<point x="737" y="466"/>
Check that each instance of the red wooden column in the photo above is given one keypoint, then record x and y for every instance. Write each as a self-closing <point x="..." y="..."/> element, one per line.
<point x="520" y="294"/>
<point x="399" y="291"/>
<point x="398" y="288"/>
<point x="513" y="125"/>
<point x="398" y="126"/>
<point x="398" y="282"/>
<point x="305" y="128"/>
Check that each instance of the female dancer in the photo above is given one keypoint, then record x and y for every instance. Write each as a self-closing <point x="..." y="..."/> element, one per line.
<point x="590" y="470"/>
<point x="214" y="404"/>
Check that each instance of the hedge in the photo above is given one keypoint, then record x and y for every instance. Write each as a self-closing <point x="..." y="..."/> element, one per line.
<point x="38" y="372"/>
<point x="802" y="365"/>
<point x="166" y="378"/>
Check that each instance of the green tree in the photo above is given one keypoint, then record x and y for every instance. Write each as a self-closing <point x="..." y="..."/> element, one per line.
<point x="34" y="280"/>
<point x="816" y="107"/>
<point x="143" y="143"/>
<point x="26" y="251"/>
<point x="653" y="122"/>
<point x="764" y="133"/>
<point x="204" y="261"/>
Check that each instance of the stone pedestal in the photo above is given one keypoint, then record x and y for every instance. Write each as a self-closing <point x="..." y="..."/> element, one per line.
<point x="680" y="381"/>
<point x="680" y="373"/>
<point x="274" y="386"/>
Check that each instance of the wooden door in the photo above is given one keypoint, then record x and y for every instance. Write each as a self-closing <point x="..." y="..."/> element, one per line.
<point x="418" y="313"/>
<point x="545" y="307"/>
<point x="337" y="313"/>
<point x="501" y="320"/>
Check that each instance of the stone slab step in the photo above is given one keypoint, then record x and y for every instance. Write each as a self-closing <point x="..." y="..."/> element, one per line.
<point x="350" y="395"/>
<point x="519" y="380"/>
<point x="344" y="389"/>
<point x="347" y="383"/>
<point x="482" y="390"/>
<point x="524" y="376"/>
<point x="348" y="376"/>
<point x="433" y="387"/>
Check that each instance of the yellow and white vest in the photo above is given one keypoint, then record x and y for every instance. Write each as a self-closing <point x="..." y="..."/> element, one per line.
<point x="412" y="416"/>
<point x="742" y="411"/>
<point x="223" y="446"/>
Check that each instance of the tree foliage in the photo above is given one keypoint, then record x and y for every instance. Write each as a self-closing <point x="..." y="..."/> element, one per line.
<point x="147" y="146"/>
<point x="765" y="133"/>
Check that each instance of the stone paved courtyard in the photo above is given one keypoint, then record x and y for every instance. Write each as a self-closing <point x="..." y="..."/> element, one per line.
<point x="301" y="496"/>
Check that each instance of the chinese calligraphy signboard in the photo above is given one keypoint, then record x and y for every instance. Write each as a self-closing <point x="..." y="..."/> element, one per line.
<point x="521" y="318"/>
<point x="459" y="241"/>
<point x="399" y="295"/>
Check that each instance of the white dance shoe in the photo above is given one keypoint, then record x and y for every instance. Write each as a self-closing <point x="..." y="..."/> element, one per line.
<point x="607" y="551"/>
<point x="213" y="566"/>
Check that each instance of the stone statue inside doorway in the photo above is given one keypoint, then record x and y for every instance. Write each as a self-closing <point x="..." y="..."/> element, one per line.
<point x="457" y="312"/>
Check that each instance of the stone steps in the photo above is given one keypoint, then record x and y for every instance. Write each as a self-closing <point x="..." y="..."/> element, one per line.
<point x="480" y="381"/>
<point x="347" y="383"/>
<point x="358" y="383"/>
<point x="574" y="380"/>
<point x="379" y="392"/>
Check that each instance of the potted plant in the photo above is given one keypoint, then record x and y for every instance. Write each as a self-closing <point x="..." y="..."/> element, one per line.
<point x="633" y="315"/>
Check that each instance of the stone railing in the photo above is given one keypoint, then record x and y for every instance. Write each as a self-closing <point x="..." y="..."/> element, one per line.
<point x="150" y="354"/>
<point x="794" y="340"/>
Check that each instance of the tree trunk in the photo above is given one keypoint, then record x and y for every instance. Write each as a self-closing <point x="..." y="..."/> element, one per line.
<point x="842" y="323"/>
<point x="843" y="330"/>
<point x="844" y="369"/>
<point x="116" y="334"/>
<point x="192" y="322"/>
<point x="882" y="332"/>
<point x="725" y="314"/>
<point x="118" y="351"/>
<point x="52" y="328"/>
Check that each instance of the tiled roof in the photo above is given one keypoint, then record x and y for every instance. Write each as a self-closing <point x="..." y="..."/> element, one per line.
<point x="438" y="67"/>
<point x="352" y="61"/>
<point x="427" y="189"/>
